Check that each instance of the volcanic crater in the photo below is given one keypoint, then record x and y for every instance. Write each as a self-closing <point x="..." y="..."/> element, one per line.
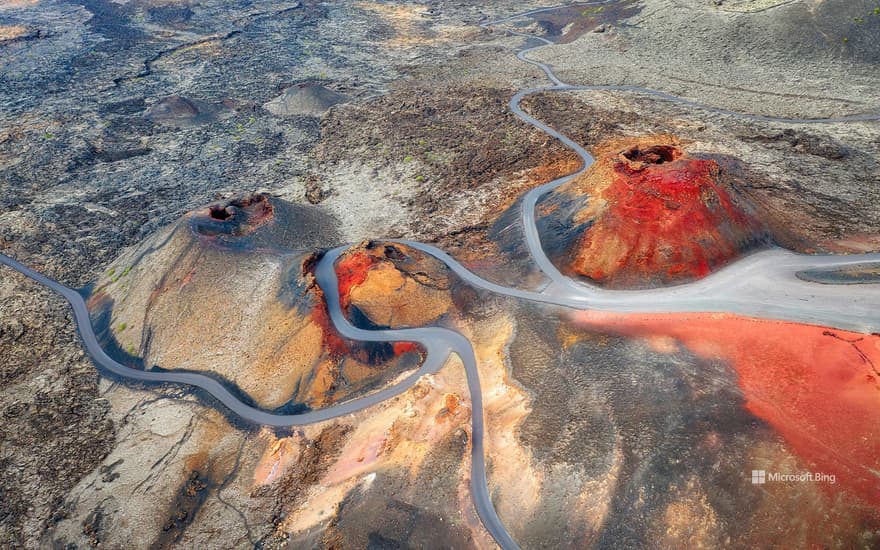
<point x="647" y="213"/>
<point x="230" y="291"/>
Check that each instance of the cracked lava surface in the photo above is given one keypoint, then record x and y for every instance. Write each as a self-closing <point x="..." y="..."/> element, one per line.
<point x="349" y="363"/>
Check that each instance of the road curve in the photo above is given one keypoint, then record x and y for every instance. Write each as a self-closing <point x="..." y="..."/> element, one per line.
<point x="764" y="284"/>
<point x="438" y="343"/>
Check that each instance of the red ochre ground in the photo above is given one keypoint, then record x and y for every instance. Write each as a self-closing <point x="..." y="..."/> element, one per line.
<point x="656" y="211"/>
<point x="819" y="388"/>
<point x="657" y="215"/>
<point x="351" y="271"/>
<point x="335" y="345"/>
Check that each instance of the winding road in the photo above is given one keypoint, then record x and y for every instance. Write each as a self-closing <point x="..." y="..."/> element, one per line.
<point x="764" y="284"/>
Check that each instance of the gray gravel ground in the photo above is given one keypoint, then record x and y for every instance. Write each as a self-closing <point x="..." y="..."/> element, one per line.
<point x="423" y="148"/>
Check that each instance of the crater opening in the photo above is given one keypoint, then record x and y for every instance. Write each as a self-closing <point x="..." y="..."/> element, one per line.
<point x="220" y="213"/>
<point x="655" y="154"/>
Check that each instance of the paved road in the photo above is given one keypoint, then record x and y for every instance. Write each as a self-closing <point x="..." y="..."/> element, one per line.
<point x="439" y="343"/>
<point x="763" y="284"/>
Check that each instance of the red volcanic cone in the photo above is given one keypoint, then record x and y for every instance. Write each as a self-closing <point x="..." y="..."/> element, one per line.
<point x="652" y="215"/>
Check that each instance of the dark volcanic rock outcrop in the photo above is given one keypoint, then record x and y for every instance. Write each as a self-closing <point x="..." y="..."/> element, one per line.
<point x="181" y="112"/>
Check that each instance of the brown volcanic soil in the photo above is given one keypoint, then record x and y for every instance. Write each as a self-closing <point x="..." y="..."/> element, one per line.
<point x="394" y="285"/>
<point x="215" y="293"/>
<point x="462" y="155"/>
<point x="459" y="157"/>
<point x="464" y="135"/>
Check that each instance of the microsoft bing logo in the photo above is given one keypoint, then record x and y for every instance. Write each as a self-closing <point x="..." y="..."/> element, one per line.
<point x="761" y="477"/>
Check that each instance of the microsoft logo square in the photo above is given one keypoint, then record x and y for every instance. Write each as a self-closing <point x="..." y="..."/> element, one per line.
<point x="759" y="477"/>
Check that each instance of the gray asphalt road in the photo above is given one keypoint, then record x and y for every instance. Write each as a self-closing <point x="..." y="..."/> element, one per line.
<point x="439" y="343"/>
<point x="763" y="285"/>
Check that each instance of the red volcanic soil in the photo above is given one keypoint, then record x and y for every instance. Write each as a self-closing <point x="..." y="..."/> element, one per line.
<point x="335" y="345"/>
<point x="657" y="216"/>
<point x="818" y="387"/>
<point x="348" y="276"/>
<point x="405" y="347"/>
<point x="351" y="271"/>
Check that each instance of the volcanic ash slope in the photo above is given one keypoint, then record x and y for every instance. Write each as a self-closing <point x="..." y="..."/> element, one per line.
<point x="229" y="290"/>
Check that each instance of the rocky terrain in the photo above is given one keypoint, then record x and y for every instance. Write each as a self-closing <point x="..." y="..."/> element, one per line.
<point x="187" y="163"/>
